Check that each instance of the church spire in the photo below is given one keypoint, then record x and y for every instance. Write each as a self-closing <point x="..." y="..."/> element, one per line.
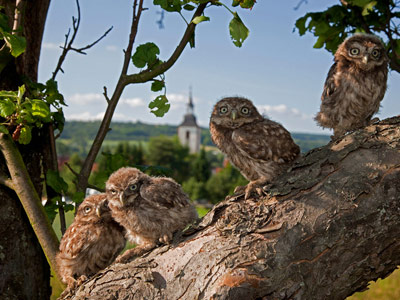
<point x="190" y="106"/>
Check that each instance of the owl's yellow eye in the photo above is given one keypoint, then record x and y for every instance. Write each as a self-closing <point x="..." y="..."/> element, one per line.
<point x="87" y="209"/>
<point x="223" y="110"/>
<point x="354" y="51"/>
<point x="133" y="187"/>
<point x="113" y="192"/>
<point x="245" y="110"/>
<point x="376" y="53"/>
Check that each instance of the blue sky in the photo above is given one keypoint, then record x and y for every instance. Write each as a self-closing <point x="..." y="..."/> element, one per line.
<point x="276" y="68"/>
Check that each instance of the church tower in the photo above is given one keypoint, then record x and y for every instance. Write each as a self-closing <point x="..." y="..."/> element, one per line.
<point x="188" y="131"/>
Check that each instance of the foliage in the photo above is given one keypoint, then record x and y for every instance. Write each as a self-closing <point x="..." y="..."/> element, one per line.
<point x="223" y="183"/>
<point x="20" y="114"/>
<point x="337" y="22"/>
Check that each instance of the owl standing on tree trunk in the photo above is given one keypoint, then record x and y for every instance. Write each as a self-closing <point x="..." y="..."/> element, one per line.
<point x="151" y="209"/>
<point x="260" y="148"/>
<point x="355" y="85"/>
<point x="91" y="242"/>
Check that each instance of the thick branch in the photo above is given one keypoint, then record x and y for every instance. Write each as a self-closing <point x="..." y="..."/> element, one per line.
<point x="323" y="231"/>
<point x="30" y="200"/>
<point x="4" y="180"/>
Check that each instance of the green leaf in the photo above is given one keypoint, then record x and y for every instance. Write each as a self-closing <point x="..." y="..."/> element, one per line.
<point x="51" y="208"/>
<point x="8" y="94"/>
<point x="301" y="24"/>
<point x="40" y="109"/>
<point x="169" y="5"/>
<point x="17" y="44"/>
<point x="200" y="19"/>
<point x="189" y="7"/>
<point x="25" y="135"/>
<point x="159" y="106"/>
<point x="52" y="93"/>
<point x="7" y="108"/>
<point x="78" y="197"/>
<point x="157" y="85"/>
<point x="368" y="8"/>
<point x="239" y="32"/>
<point x="3" y="129"/>
<point x="145" y="54"/>
<point x="56" y="182"/>
<point x="320" y="42"/>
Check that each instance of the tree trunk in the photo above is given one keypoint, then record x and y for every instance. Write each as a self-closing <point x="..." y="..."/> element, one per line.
<point x="324" y="230"/>
<point x="24" y="272"/>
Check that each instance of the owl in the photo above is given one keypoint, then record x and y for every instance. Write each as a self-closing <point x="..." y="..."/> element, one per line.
<point x="91" y="242"/>
<point x="150" y="209"/>
<point x="355" y="85"/>
<point x="260" y="148"/>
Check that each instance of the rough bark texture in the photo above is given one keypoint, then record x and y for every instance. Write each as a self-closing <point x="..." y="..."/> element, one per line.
<point x="325" y="229"/>
<point x="24" y="272"/>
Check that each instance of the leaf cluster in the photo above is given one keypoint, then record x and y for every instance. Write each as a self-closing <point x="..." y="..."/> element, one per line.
<point x="335" y="24"/>
<point x="19" y="114"/>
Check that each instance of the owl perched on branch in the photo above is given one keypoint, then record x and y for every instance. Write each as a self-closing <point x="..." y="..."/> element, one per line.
<point x="260" y="148"/>
<point x="91" y="242"/>
<point x="151" y="209"/>
<point x="355" y="85"/>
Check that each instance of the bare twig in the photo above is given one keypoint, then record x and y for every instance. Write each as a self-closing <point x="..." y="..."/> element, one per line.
<point x="72" y="170"/>
<point x="19" y="7"/>
<point x="69" y="42"/>
<point x="4" y="180"/>
<point x="105" y="94"/>
<point x="30" y="200"/>
<point x="301" y="2"/>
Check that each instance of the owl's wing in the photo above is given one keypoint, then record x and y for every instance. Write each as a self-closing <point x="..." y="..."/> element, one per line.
<point x="266" y="140"/>
<point x="77" y="239"/>
<point x="164" y="193"/>
<point x="330" y="85"/>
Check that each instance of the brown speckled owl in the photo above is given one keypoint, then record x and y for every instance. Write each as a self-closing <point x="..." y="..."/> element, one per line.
<point x="260" y="148"/>
<point x="91" y="242"/>
<point x="355" y="85"/>
<point x="151" y="209"/>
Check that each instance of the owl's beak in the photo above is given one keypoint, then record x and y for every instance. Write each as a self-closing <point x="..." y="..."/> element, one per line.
<point x="365" y="59"/>
<point x="121" y="198"/>
<point x="98" y="212"/>
<point x="234" y="114"/>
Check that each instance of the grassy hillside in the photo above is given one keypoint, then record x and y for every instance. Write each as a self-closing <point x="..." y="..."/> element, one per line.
<point x="77" y="135"/>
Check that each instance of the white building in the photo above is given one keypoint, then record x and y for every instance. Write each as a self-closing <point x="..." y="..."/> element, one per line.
<point x="188" y="131"/>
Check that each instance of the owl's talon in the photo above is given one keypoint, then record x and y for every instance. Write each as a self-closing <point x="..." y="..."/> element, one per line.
<point x="240" y="189"/>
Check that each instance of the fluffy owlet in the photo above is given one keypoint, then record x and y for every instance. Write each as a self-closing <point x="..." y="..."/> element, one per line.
<point x="91" y="242"/>
<point x="355" y="85"/>
<point x="260" y="148"/>
<point x="151" y="209"/>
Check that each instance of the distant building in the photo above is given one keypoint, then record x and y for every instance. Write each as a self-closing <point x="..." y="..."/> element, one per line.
<point x="188" y="131"/>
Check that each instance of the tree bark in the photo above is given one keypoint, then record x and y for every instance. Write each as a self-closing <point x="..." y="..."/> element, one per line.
<point x="323" y="230"/>
<point x="24" y="272"/>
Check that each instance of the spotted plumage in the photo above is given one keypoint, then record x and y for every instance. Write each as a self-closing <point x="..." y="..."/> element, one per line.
<point x="260" y="148"/>
<point x="355" y="85"/>
<point x="151" y="209"/>
<point x="91" y="242"/>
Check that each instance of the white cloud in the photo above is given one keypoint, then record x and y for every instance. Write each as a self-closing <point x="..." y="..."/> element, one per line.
<point x="134" y="102"/>
<point x="51" y="46"/>
<point x="282" y="110"/>
<point x="111" y="48"/>
<point x="83" y="99"/>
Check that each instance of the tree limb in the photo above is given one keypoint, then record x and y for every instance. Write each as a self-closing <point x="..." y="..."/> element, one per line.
<point x="30" y="200"/>
<point x="323" y="230"/>
<point x="4" y="180"/>
<point x="124" y="80"/>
